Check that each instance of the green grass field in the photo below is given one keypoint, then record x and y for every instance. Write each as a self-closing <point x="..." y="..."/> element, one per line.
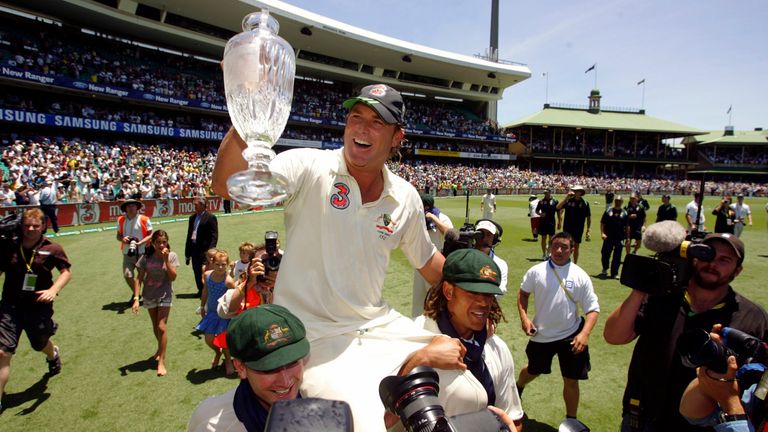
<point x="107" y="383"/>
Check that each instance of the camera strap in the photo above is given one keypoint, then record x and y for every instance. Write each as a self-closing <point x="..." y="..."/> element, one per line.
<point x="560" y="280"/>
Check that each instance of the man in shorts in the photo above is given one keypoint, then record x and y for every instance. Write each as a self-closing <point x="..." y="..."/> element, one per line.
<point x="558" y="286"/>
<point x="134" y="231"/>
<point x="547" y="211"/>
<point x="28" y="293"/>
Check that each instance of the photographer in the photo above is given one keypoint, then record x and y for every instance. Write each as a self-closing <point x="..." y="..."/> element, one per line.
<point x="715" y="399"/>
<point x="724" y="216"/>
<point x="460" y="306"/>
<point x="437" y="224"/>
<point x="134" y="231"/>
<point x="657" y="376"/>
<point x="29" y="291"/>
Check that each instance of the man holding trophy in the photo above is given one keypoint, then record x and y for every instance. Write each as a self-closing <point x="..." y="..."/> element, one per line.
<point x="345" y="211"/>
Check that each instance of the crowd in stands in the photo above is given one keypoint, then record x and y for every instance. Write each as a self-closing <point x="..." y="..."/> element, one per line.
<point x="92" y="171"/>
<point x="597" y="148"/>
<point x="53" y="50"/>
<point x="737" y="156"/>
<point x="444" y="177"/>
<point x="458" y="146"/>
<point x="89" y="171"/>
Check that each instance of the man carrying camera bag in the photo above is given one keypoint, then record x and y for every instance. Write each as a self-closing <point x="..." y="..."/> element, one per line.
<point x="134" y="230"/>
<point x="657" y="376"/>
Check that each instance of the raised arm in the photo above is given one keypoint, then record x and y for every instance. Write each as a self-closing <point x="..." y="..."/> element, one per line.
<point x="229" y="160"/>
<point x="620" y="325"/>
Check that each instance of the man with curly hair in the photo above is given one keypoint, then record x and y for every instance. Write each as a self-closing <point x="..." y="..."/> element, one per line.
<point x="461" y="306"/>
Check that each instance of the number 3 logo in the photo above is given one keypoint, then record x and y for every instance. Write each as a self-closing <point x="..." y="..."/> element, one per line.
<point x="340" y="200"/>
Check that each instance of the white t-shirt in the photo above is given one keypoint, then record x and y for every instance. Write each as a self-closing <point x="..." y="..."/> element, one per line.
<point x="332" y="274"/>
<point x="489" y="201"/>
<point x="741" y="211"/>
<point x="557" y="317"/>
<point x="692" y="209"/>
<point x="532" y="209"/>
<point x="216" y="414"/>
<point x="504" y="272"/>
<point x="500" y="365"/>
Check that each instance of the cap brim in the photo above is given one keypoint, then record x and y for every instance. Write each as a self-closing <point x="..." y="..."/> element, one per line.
<point x="377" y="106"/>
<point x="480" y="287"/>
<point x="281" y="357"/>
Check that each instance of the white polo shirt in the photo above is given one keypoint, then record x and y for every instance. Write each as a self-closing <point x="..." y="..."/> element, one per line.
<point x="337" y="253"/>
<point x="692" y="209"/>
<point x="557" y="317"/>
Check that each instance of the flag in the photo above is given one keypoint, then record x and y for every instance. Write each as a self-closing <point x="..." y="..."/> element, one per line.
<point x="642" y="81"/>
<point x="729" y="109"/>
<point x="544" y="74"/>
<point x="591" y="68"/>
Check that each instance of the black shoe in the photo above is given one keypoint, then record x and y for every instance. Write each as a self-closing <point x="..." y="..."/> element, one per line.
<point x="54" y="366"/>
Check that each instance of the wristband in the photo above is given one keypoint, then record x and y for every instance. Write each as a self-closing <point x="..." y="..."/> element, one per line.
<point x="135" y="298"/>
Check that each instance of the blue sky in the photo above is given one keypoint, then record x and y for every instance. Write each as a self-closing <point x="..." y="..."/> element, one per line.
<point x="698" y="57"/>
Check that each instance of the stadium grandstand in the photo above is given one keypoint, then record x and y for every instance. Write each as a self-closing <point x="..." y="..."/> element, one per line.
<point x="84" y="79"/>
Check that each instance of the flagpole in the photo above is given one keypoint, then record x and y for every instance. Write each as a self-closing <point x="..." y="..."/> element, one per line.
<point x="595" y="76"/>
<point x="730" y="115"/>
<point x="546" y="88"/>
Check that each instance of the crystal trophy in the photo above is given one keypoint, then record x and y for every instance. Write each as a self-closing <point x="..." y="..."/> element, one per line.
<point x="259" y="67"/>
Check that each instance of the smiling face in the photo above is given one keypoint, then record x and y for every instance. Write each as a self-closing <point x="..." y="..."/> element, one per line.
<point x="368" y="140"/>
<point x="469" y="311"/>
<point x="271" y="386"/>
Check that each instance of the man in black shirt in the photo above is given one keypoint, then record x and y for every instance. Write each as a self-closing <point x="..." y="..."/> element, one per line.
<point x="547" y="210"/>
<point x="576" y="213"/>
<point x="657" y="376"/>
<point x="635" y="223"/>
<point x="613" y="231"/>
<point x="667" y="211"/>
<point x="724" y="216"/>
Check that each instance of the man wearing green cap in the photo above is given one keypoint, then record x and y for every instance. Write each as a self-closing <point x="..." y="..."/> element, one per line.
<point x="268" y="346"/>
<point x="344" y="215"/>
<point x="460" y="306"/>
<point x="437" y="224"/>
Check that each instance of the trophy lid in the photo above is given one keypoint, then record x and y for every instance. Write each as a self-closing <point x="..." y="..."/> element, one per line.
<point x="260" y="20"/>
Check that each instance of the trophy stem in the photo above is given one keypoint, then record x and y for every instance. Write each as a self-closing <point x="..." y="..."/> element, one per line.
<point x="256" y="186"/>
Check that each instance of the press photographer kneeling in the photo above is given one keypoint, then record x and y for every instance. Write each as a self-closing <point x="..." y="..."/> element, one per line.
<point x="657" y="376"/>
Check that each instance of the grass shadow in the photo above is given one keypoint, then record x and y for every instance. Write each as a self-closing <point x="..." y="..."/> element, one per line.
<point x="119" y="307"/>
<point x="537" y="259"/>
<point x="201" y="376"/>
<point x="36" y="392"/>
<point x="531" y="425"/>
<point x="139" y="366"/>
<point x="188" y="296"/>
<point x="530" y="240"/>
<point x="763" y="256"/>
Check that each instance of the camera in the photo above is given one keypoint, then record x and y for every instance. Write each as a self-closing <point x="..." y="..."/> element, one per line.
<point x="464" y="238"/>
<point x="697" y="348"/>
<point x="133" y="246"/>
<point x="670" y="269"/>
<point x="10" y="227"/>
<point x="414" y="399"/>
<point x="309" y="415"/>
<point x="272" y="258"/>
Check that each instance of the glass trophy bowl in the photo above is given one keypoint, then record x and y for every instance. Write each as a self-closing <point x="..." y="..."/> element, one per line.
<point x="259" y="67"/>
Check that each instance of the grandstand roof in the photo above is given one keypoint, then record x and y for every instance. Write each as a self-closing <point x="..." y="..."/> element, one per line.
<point x="738" y="138"/>
<point x="369" y="56"/>
<point x="603" y="120"/>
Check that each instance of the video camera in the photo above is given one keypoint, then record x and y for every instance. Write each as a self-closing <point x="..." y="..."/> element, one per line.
<point x="670" y="269"/>
<point x="10" y="227"/>
<point x="272" y="258"/>
<point x="133" y="246"/>
<point x="697" y="348"/>
<point x="414" y="399"/>
<point x="465" y="237"/>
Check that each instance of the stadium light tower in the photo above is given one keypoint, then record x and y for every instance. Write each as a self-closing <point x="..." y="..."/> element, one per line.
<point x="493" y="52"/>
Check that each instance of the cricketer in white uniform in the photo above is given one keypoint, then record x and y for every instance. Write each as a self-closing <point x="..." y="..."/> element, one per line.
<point x="344" y="214"/>
<point x="488" y="205"/>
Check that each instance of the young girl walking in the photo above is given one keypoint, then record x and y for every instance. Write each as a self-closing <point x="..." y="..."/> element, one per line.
<point x="217" y="282"/>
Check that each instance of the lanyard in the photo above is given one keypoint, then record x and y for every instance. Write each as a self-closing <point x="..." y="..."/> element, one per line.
<point x="31" y="259"/>
<point x="559" y="279"/>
